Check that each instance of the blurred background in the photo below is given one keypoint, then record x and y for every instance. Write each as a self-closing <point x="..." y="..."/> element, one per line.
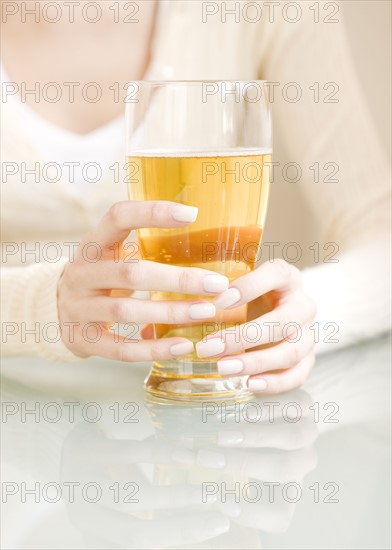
<point x="368" y="24"/>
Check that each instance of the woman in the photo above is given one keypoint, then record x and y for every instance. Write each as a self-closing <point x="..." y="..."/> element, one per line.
<point x="319" y="113"/>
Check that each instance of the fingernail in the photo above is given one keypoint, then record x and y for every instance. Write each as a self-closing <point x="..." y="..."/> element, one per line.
<point x="183" y="213"/>
<point x="230" y="509"/>
<point x="257" y="384"/>
<point x="227" y="299"/>
<point x="210" y="459"/>
<point x="202" y="311"/>
<point x="209" y="348"/>
<point x="215" y="283"/>
<point x="198" y="496"/>
<point x="230" y="438"/>
<point x="230" y="366"/>
<point x="216" y="525"/>
<point x="183" y="456"/>
<point x="182" y="349"/>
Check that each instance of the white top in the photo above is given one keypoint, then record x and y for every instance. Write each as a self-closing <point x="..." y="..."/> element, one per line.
<point x="59" y="146"/>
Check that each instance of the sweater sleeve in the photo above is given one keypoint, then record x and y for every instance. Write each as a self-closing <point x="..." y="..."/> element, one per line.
<point x="321" y="116"/>
<point x="29" y="318"/>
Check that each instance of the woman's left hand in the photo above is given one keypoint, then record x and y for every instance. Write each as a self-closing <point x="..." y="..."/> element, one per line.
<point x="277" y="331"/>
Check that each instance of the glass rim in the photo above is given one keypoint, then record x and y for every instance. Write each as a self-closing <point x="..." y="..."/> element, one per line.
<point x="184" y="82"/>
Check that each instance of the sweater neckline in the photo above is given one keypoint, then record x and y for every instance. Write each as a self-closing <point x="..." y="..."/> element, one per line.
<point x="37" y="120"/>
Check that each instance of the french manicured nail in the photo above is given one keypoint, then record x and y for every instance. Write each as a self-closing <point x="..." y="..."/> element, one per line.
<point x="182" y="349"/>
<point x="184" y="213"/>
<point x="209" y="348"/>
<point x="198" y="495"/>
<point x="216" y="525"/>
<point x="183" y="456"/>
<point x="210" y="459"/>
<point x="202" y="311"/>
<point x="230" y="509"/>
<point x="227" y="299"/>
<point x="215" y="283"/>
<point x="230" y="438"/>
<point x="230" y="366"/>
<point x="257" y="384"/>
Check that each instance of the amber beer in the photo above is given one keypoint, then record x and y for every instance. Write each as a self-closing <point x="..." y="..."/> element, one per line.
<point x="231" y="192"/>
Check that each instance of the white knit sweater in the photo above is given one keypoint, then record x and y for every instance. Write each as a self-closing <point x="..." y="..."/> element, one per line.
<point x="354" y="212"/>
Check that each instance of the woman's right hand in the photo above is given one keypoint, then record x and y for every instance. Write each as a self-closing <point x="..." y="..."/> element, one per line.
<point x="85" y="290"/>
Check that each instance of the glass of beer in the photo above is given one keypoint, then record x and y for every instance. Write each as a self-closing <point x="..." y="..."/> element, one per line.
<point x="206" y="144"/>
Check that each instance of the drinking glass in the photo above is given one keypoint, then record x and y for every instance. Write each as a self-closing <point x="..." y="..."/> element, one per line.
<point x="206" y="144"/>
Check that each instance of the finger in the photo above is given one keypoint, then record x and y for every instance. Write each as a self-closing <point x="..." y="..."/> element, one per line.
<point x="128" y="531"/>
<point x="284" y="355"/>
<point x="284" y="322"/>
<point x="264" y="515"/>
<point x="166" y="497"/>
<point x="258" y="411"/>
<point x="171" y="497"/>
<point x="128" y="310"/>
<point x="276" y="275"/>
<point x="281" y="466"/>
<point x="147" y="275"/>
<point x="125" y="216"/>
<point x="112" y="346"/>
<point x="282" y="381"/>
<point x="84" y="445"/>
<point x="282" y="435"/>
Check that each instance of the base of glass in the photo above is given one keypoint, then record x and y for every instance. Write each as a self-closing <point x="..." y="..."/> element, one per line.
<point x="194" y="382"/>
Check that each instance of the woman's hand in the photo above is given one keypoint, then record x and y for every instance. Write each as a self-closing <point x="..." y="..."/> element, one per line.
<point x="85" y="290"/>
<point x="277" y="331"/>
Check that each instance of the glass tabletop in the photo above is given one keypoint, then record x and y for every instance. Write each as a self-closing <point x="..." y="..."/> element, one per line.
<point x="89" y="461"/>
